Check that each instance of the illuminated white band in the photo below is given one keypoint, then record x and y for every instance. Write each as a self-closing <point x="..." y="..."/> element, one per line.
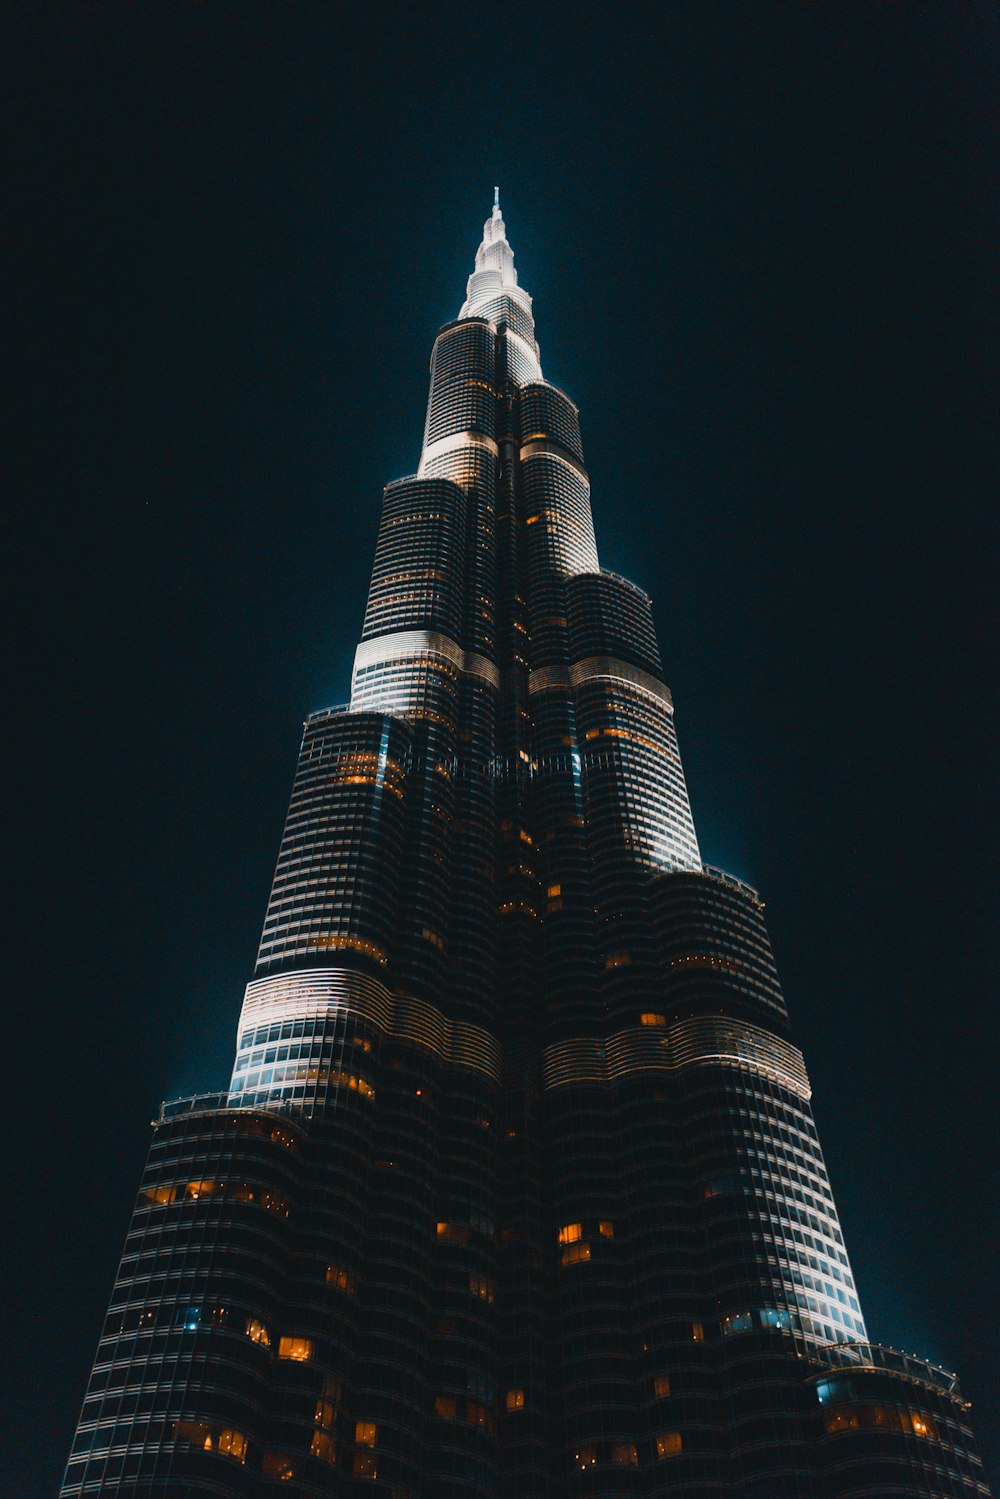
<point x="706" y="1041"/>
<point x="452" y="443"/>
<point x="417" y="643"/>
<point x="319" y="993"/>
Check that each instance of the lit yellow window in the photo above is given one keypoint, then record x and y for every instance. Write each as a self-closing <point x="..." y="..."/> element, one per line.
<point x="457" y="1232"/>
<point x="624" y="1452"/>
<point x="233" y="1443"/>
<point x="586" y="1457"/>
<point x="364" y="1465"/>
<point x="574" y="1254"/>
<point x="553" y="890"/>
<point x="202" y="1189"/>
<point x="257" y="1332"/>
<point x="160" y="1195"/>
<point x="300" y="1349"/>
<point x="322" y="1447"/>
<point x="337" y="1276"/>
<point x="668" y="1444"/>
<point x="324" y="1414"/>
<point x="606" y="1229"/>
<point x="697" y="1332"/>
<point x="514" y="1400"/>
<point x="481" y="1286"/>
<point x="278" y="1465"/>
<point x="365" y="1433"/>
<point x="661" y="1386"/>
<point x="648" y="1018"/>
<point x="570" y="1232"/>
<point x="197" y="1433"/>
<point x="923" y="1426"/>
<point x="444" y="1406"/>
<point x="480" y="1415"/>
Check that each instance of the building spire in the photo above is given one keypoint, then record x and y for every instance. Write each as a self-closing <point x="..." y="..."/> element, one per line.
<point x="496" y="203"/>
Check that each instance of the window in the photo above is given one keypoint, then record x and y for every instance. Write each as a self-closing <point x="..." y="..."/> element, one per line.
<point x="337" y="1276"/>
<point x="606" y="1229"/>
<point x="514" y="1400"/>
<point x="587" y="1456"/>
<point x="364" y="1465"/>
<point x="324" y="1413"/>
<point x="617" y="960"/>
<point x="697" y="1332"/>
<point x="661" y="1386"/>
<point x="553" y="890"/>
<point x="575" y="1254"/>
<point x="257" y="1332"/>
<point x="224" y="1439"/>
<point x="233" y="1443"/>
<point x="365" y="1433"/>
<point x="570" y="1232"/>
<point x="322" y="1447"/>
<point x="624" y="1452"/>
<point x="444" y="1406"/>
<point x="923" y="1426"/>
<point x="482" y="1286"/>
<point x="648" y="1018"/>
<point x="458" y="1233"/>
<point x="278" y="1465"/>
<point x="668" y="1444"/>
<point x="300" y="1349"/>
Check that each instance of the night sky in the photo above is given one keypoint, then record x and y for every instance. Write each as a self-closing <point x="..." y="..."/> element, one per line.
<point x="759" y="238"/>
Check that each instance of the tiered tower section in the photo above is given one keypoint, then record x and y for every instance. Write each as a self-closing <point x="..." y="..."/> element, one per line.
<point x="515" y="1189"/>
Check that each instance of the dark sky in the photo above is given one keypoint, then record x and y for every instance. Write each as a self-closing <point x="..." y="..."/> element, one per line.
<point x="759" y="240"/>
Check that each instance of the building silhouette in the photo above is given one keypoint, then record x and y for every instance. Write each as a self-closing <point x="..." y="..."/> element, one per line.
<point x="515" y="1189"/>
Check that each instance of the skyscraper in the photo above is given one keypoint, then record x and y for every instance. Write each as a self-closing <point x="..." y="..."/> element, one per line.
<point x="515" y="1188"/>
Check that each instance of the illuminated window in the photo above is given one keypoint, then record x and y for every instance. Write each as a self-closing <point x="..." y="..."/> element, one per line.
<point x="668" y="1444"/>
<point x="324" y="1413"/>
<point x="624" y="1452"/>
<point x="198" y="1189"/>
<point x="363" y="1465"/>
<point x="587" y="1456"/>
<point x="481" y="1286"/>
<point x="570" y="1232"/>
<point x="337" y="1276"/>
<point x="233" y="1443"/>
<point x="300" y="1349"/>
<point x="574" y="1254"/>
<point x="514" y="1400"/>
<point x="197" y="1433"/>
<point x="257" y="1332"/>
<point x="278" y="1465"/>
<point x="322" y="1447"/>
<point x="161" y="1195"/>
<point x="365" y="1433"/>
<point x="480" y="1415"/>
<point x="649" y="1018"/>
<point x="553" y="890"/>
<point x="923" y="1426"/>
<point x="617" y="960"/>
<point x="225" y="1439"/>
<point x="606" y="1229"/>
<point x="661" y="1386"/>
<point x="697" y="1332"/>
<point x="458" y="1233"/>
<point x="444" y="1406"/>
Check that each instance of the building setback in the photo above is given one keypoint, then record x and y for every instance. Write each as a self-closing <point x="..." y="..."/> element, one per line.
<point x="515" y="1189"/>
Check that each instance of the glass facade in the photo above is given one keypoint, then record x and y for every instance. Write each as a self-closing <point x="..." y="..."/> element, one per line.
<point x="515" y="1188"/>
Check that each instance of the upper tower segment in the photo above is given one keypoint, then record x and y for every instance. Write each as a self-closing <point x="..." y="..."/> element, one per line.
<point x="493" y="293"/>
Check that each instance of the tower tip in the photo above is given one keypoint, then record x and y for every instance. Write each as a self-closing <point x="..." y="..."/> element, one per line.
<point x="496" y="202"/>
